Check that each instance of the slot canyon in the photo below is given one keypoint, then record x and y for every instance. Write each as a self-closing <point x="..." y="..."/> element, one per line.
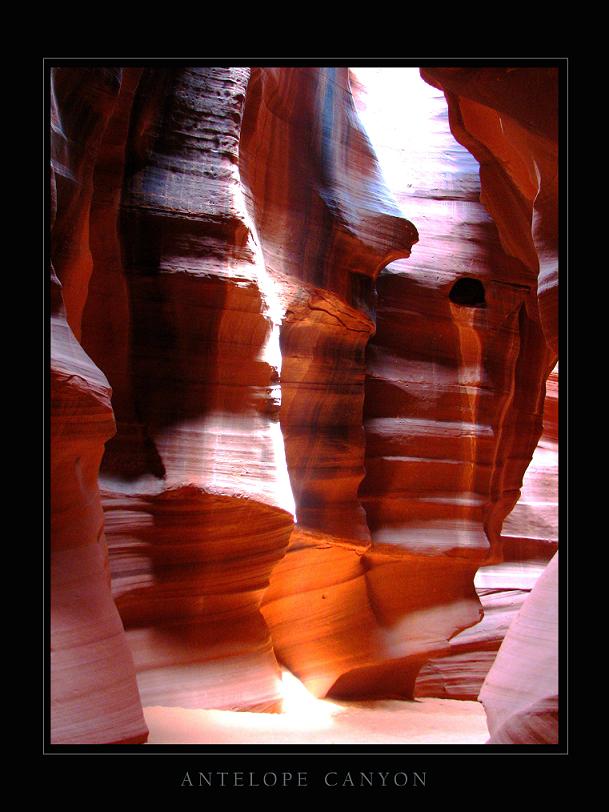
<point x="303" y="405"/>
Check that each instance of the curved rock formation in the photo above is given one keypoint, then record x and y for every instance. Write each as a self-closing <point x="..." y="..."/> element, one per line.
<point x="317" y="442"/>
<point x="453" y="363"/>
<point x="531" y="529"/>
<point x="508" y="119"/>
<point x="520" y="692"/>
<point x="328" y="225"/>
<point x="196" y="507"/>
<point x="537" y="723"/>
<point x="94" y="696"/>
<point x="529" y="539"/>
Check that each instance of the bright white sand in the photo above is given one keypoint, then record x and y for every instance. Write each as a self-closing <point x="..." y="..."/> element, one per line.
<point x="423" y="721"/>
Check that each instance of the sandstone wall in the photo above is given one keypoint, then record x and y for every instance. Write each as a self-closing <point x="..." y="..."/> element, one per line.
<point x="312" y="438"/>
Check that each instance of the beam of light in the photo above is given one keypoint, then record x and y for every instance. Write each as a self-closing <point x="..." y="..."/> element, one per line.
<point x="403" y="115"/>
<point x="302" y="707"/>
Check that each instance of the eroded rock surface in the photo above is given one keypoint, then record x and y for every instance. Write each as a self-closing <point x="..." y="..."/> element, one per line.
<point x="508" y="119"/>
<point x="196" y="510"/>
<point x="318" y="436"/>
<point x="529" y="539"/>
<point x="94" y="696"/>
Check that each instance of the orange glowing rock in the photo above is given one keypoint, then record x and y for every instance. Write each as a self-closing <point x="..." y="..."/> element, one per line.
<point x="320" y="431"/>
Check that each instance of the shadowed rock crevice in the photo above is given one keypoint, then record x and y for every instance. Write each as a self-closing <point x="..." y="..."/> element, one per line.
<point x="468" y="292"/>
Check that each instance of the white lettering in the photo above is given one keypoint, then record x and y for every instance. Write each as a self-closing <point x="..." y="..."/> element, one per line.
<point x="416" y="777"/>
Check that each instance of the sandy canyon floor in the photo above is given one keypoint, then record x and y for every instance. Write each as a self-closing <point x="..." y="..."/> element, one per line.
<point x="307" y="720"/>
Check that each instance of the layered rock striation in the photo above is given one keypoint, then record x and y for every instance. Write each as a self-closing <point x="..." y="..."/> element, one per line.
<point x="196" y="508"/>
<point x="94" y="695"/>
<point x="233" y="267"/>
<point x="317" y="437"/>
<point x="508" y="119"/>
<point x="529" y="539"/>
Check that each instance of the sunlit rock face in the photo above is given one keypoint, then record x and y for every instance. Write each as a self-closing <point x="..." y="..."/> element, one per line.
<point x="318" y="434"/>
<point x="226" y="284"/>
<point x="327" y="224"/>
<point x="529" y="539"/>
<point x="454" y="365"/>
<point x="446" y="382"/>
<point x="508" y="119"/>
<point x="196" y="495"/>
<point x="520" y="692"/>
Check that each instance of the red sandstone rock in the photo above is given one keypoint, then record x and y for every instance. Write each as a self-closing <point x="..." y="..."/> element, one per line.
<point x="444" y="383"/>
<point x="534" y="521"/>
<point x="233" y="225"/>
<point x="94" y="696"/>
<point x="327" y="225"/>
<point x="460" y="674"/>
<point x="537" y="723"/>
<point x="520" y="692"/>
<point x="508" y="120"/>
<point x="194" y="486"/>
<point x="529" y="539"/>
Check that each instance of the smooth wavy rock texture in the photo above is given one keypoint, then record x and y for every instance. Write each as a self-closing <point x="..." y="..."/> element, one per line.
<point x="198" y="406"/>
<point x="94" y="695"/>
<point x="312" y="347"/>
<point x="196" y="509"/>
<point x="508" y="119"/>
<point x="520" y="692"/>
<point x="529" y="539"/>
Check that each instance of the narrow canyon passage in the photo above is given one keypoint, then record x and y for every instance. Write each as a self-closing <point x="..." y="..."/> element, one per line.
<point x="435" y="181"/>
<point x="299" y="365"/>
<point x="433" y="347"/>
